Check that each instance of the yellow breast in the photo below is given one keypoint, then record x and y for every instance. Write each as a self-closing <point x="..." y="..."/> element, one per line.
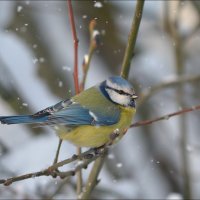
<point x="96" y="136"/>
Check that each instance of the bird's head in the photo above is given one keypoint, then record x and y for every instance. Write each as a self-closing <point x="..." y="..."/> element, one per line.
<point x="119" y="91"/>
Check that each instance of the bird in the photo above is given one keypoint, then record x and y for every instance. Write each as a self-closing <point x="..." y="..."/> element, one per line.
<point x="95" y="117"/>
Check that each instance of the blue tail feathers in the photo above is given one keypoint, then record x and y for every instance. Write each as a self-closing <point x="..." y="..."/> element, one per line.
<point x="22" y="119"/>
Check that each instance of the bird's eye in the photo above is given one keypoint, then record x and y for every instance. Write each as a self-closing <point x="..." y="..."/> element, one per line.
<point x="121" y="92"/>
<point x="118" y="91"/>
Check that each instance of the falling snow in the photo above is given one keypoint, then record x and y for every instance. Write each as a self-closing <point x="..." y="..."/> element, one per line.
<point x="60" y="84"/>
<point x="174" y="196"/>
<point x="84" y="16"/>
<point x="66" y="68"/>
<point x="95" y="33"/>
<point x="35" y="60"/>
<point x="35" y="46"/>
<point x="41" y="60"/>
<point x="98" y="4"/>
<point x="111" y="156"/>
<point x="24" y="104"/>
<point x="119" y="165"/>
<point x="19" y="8"/>
<point x="189" y="148"/>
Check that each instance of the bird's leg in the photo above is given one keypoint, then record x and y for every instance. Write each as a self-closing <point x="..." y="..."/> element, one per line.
<point x="100" y="150"/>
<point x="125" y="131"/>
<point x="57" y="152"/>
<point x="97" y="151"/>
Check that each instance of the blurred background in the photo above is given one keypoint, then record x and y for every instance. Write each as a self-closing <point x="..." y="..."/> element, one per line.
<point x="158" y="161"/>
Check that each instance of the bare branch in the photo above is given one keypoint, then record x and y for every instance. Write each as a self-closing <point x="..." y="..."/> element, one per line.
<point x="87" y="157"/>
<point x="176" y="81"/>
<point x="165" y="117"/>
<point x="75" y="40"/>
<point x="87" y="59"/>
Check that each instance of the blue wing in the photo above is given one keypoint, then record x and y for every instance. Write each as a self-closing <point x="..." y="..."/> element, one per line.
<point x="75" y="115"/>
<point x="68" y="113"/>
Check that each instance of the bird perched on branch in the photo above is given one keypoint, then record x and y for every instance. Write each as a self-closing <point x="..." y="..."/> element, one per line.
<point x="93" y="118"/>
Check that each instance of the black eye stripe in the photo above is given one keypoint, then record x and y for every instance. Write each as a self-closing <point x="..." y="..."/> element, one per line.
<point x="118" y="91"/>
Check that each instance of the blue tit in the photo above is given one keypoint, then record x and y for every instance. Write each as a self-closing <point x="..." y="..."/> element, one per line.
<point x="93" y="118"/>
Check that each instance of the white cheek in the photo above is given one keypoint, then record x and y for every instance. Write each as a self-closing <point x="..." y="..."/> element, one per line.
<point x="118" y="98"/>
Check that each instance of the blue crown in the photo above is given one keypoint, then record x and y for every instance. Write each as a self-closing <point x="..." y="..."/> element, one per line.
<point x="120" y="81"/>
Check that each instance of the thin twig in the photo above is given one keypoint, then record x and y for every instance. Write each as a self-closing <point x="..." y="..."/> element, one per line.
<point x="52" y="170"/>
<point x="88" y="57"/>
<point x="75" y="40"/>
<point x="76" y="80"/>
<point x="132" y="39"/>
<point x="176" y="81"/>
<point x="57" y="151"/>
<point x="165" y="117"/>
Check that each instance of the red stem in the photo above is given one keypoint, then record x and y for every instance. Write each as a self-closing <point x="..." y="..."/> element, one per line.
<point x="75" y="39"/>
<point x="146" y="122"/>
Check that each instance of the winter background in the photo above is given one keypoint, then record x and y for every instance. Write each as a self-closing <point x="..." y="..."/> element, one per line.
<point x="36" y="60"/>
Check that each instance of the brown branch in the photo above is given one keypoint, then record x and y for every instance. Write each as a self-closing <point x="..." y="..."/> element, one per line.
<point x="165" y="117"/>
<point x="87" y="157"/>
<point x="75" y="40"/>
<point x="76" y="81"/>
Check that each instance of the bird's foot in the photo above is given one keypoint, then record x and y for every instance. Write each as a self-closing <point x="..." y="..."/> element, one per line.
<point x="98" y="151"/>
<point x="114" y="136"/>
